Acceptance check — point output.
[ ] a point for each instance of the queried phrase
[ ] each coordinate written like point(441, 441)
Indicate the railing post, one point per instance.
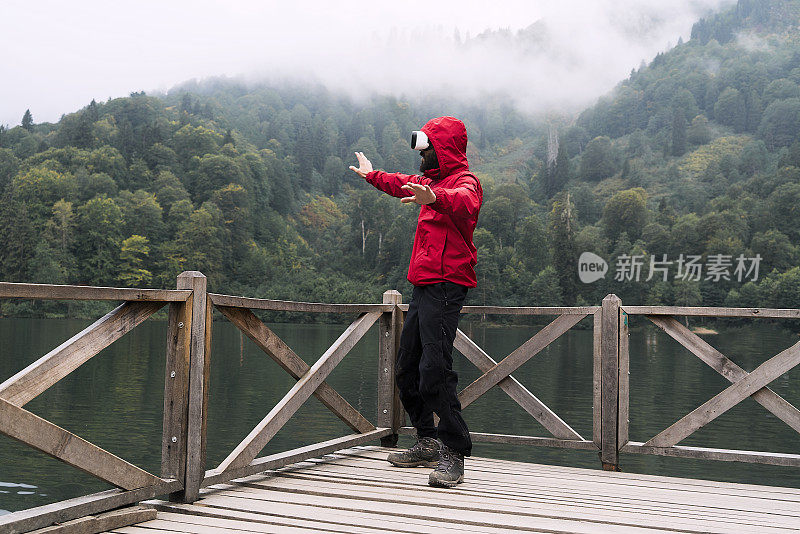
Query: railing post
point(199, 365)
point(176, 393)
point(389, 410)
point(609, 349)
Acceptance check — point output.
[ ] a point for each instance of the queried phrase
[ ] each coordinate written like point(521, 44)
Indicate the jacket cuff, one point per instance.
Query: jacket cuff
point(442, 203)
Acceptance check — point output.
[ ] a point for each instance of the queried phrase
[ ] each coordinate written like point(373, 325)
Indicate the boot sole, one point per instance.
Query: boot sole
point(413, 464)
point(445, 483)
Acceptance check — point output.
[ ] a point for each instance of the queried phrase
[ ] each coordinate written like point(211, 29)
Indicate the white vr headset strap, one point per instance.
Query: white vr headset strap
point(419, 141)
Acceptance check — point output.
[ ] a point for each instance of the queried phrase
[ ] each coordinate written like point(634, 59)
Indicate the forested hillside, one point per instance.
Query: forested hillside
point(694, 154)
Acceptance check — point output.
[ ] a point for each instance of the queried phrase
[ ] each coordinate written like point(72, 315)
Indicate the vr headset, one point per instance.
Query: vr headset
point(419, 141)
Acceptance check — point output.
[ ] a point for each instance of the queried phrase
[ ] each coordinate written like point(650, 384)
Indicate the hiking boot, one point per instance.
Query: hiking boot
point(450, 470)
point(425, 452)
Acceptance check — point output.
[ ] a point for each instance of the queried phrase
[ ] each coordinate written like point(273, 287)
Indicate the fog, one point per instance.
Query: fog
point(57, 56)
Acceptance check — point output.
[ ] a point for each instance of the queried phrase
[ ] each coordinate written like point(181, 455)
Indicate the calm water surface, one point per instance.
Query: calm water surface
point(116, 399)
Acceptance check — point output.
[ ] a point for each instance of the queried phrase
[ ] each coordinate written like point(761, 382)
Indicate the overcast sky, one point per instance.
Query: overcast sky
point(56, 56)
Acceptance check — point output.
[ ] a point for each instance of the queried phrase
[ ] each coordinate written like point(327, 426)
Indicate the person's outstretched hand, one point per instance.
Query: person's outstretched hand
point(421, 194)
point(364, 165)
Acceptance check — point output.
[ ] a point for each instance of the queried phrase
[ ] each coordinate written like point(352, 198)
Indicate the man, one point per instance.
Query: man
point(441, 269)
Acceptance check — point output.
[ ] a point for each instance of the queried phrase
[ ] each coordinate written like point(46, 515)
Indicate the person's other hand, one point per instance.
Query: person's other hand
point(364, 165)
point(421, 194)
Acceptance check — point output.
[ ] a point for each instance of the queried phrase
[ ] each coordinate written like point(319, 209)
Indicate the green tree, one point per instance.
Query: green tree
point(626, 211)
point(678, 133)
point(731, 109)
point(562, 228)
point(133, 255)
point(97, 251)
point(698, 132)
point(27, 120)
point(598, 161)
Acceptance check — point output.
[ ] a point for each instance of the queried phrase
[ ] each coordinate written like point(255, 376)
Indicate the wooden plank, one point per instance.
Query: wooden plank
point(701, 311)
point(198, 380)
point(580, 473)
point(525, 310)
point(287, 305)
point(94, 524)
point(724, 455)
point(176, 391)
point(387, 356)
point(63, 292)
point(222, 520)
point(399, 414)
point(513, 361)
point(60, 512)
point(527, 400)
point(539, 310)
point(275, 461)
point(477, 512)
point(597, 378)
point(22, 425)
point(244, 453)
point(284, 356)
point(767, 398)
point(520, 477)
point(728, 398)
point(294, 481)
point(61, 361)
point(624, 381)
point(482, 437)
point(609, 455)
point(303, 516)
point(498, 479)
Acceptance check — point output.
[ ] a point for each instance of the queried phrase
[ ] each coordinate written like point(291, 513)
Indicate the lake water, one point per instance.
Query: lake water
point(116, 399)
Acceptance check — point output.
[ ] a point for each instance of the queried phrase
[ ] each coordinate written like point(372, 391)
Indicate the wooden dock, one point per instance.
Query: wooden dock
point(341, 485)
point(357, 491)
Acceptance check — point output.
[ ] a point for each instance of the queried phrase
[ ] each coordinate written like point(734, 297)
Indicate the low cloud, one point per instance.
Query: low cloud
point(61, 55)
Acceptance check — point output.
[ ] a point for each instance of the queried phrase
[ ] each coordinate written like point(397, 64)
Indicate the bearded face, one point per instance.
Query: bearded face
point(429, 160)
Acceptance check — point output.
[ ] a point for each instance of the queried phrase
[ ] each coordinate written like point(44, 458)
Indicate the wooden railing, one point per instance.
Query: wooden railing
point(134, 484)
point(754, 384)
point(188, 359)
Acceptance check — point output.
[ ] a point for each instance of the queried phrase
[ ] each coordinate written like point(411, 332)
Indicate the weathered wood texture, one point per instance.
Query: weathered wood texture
point(60, 292)
point(281, 459)
point(597, 378)
point(94, 524)
point(522, 310)
point(63, 511)
point(284, 356)
point(357, 491)
point(624, 381)
point(291, 306)
point(610, 381)
point(248, 449)
point(22, 425)
point(513, 361)
point(700, 311)
point(199, 359)
point(728, 398)
point(61, 361)
point(176, 391)
point(387, 356)
point(723, 455)
point(527, 400)
point(767, 398)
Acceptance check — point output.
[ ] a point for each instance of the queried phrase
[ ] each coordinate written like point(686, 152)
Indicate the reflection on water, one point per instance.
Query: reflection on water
point(116, 399)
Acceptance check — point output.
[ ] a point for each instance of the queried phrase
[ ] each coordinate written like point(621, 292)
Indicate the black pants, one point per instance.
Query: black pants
point(425, 373)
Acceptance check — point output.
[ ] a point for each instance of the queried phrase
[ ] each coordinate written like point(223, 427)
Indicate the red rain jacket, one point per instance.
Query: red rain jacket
point(443, 248)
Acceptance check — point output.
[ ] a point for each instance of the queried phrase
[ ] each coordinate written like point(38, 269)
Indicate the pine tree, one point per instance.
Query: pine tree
point(27, 120)
point(678, 133)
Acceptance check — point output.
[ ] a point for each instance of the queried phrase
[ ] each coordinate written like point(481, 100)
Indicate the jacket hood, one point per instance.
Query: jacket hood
point(448, 136)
